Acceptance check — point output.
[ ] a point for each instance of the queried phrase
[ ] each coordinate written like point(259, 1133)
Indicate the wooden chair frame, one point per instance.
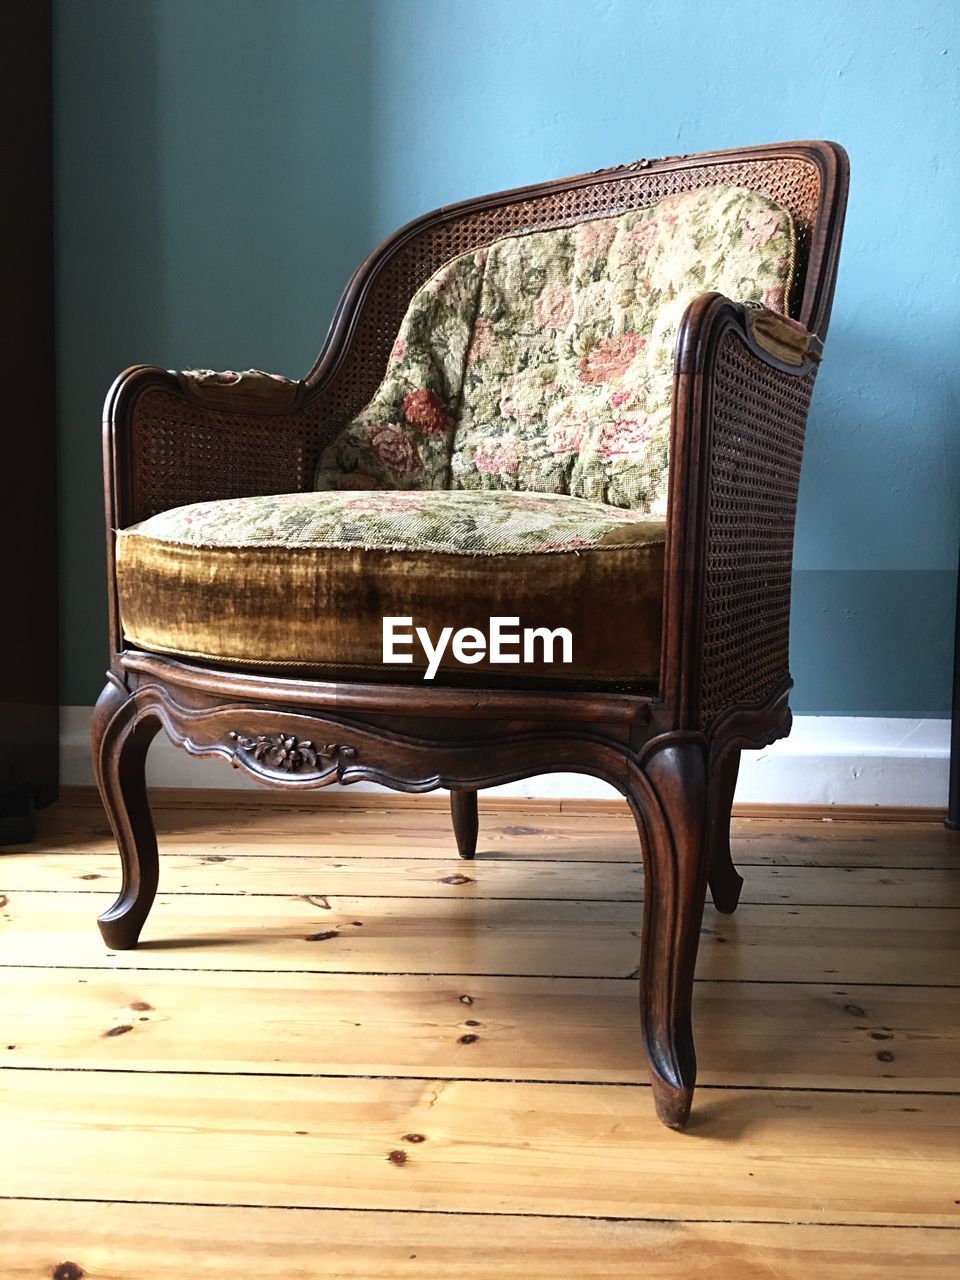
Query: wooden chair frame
point(673, 752)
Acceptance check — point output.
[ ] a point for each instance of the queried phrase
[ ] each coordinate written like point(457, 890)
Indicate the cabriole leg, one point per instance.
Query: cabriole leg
point(669, 800)
point(120, 738)
point(463, 807)
point(725, 881)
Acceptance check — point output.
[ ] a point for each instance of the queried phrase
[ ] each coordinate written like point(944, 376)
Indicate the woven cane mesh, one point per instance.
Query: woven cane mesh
point(184, 452)
point(759, 416)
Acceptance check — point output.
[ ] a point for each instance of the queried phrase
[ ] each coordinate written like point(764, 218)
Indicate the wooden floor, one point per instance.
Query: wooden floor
point(340, 1051)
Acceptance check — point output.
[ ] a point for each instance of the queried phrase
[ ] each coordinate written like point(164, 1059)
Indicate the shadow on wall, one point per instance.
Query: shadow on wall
point(214, 187)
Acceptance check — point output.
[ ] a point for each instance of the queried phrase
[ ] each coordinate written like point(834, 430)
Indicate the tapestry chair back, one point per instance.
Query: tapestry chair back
point(544, 361)
point(283, 453)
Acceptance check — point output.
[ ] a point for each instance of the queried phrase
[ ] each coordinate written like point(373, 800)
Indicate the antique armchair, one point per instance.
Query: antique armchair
point(579, 404)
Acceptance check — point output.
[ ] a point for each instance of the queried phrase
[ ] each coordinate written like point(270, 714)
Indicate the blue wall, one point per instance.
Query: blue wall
point(223, 165)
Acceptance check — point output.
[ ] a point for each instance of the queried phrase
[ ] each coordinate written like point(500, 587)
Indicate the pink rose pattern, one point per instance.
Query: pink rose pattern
point(230, 377)
point(611, 358)
point(393, 449)
point(544, 362)
point(554, 308)
point(624, 437)
point(639, 239)
point(426, 410)
point(566, 438)
point(593, 239)
point(482, 341)
point(760, 226)
point(499, 456)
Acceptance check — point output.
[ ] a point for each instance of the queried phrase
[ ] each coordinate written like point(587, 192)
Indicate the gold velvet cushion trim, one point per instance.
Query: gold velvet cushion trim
point(786, 339)
point(260, 582)
point(544, 362)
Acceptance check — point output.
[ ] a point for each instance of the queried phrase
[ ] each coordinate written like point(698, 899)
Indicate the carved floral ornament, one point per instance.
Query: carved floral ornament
point(285, 752)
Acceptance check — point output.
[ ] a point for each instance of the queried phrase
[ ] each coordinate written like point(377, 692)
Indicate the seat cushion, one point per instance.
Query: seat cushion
point(544, 361)
point(304, 580)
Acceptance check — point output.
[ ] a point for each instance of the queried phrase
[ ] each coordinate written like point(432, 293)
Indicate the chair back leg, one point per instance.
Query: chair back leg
point(725, 881)
point(463, 807)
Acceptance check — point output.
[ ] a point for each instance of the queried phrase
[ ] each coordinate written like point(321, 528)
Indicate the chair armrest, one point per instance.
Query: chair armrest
point(741, 394)
point(780, 336)
point(172, 438)
point(251, 391)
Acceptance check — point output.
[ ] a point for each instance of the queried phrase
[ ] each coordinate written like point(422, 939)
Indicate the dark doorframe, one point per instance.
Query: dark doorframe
point(29, 696)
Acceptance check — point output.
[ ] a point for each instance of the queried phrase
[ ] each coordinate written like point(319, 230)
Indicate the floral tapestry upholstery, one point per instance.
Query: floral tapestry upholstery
point(304, 580)
point(544, 362)
point(460, 523)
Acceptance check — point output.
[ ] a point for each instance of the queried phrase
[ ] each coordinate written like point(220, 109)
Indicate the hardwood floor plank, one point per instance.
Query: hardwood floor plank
point(288, 1027)
point(555, 1149)
point(565, 939)
point(346, 874)
point(382, 833)
point(844, 844)
point(127, 1242)
point(780, 1036)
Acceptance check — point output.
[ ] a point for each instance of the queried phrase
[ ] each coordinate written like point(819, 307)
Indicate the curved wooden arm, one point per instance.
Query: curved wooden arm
point(739, 417)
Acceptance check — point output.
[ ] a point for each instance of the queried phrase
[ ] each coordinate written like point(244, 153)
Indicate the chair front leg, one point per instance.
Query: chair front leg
point(725, 881)
point(668, 796)
point(120, 739)
point(463, 807)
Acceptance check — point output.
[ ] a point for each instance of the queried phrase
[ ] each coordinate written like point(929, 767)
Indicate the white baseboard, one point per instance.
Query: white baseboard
point(842, 760)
